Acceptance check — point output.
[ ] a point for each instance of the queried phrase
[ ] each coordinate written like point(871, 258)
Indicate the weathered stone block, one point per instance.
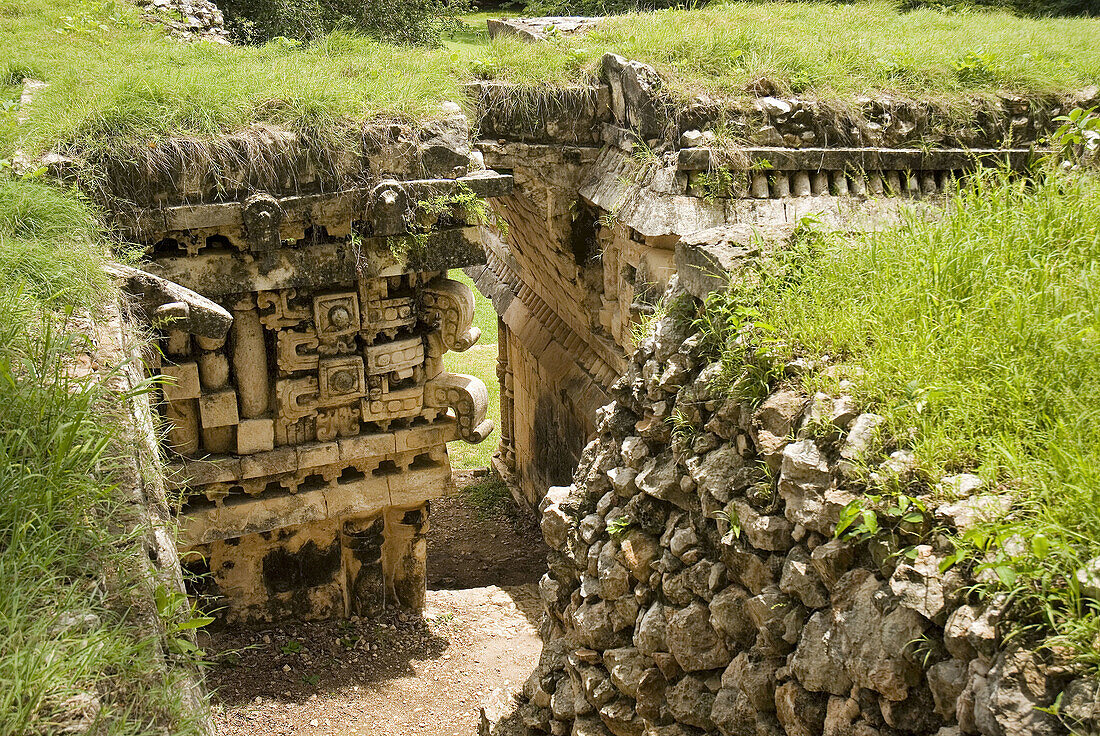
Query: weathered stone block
point(255, 435)
point(181, 381)
point(282, 460)
point(317, 454)
point(219, 409)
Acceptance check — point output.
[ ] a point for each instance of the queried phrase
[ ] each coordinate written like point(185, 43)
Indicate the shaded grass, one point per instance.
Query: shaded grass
point(977, 336)
point(70, 654)
point(479, 361)
point(111, 75)
point(489, 495)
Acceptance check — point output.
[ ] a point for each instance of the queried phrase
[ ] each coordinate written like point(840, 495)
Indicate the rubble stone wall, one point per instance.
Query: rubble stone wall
point(696, 586)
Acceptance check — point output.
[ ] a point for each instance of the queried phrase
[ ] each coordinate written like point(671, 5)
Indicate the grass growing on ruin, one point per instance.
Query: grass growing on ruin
point(113, 76)
point(978, 337)
point(479, 361)
point(69, 654)
point(846, 49)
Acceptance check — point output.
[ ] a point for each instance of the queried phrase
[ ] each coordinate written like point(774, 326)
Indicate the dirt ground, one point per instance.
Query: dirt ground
point(402, 673)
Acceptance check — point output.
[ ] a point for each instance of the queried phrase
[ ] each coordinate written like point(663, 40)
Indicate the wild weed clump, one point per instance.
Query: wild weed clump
point(71, 654)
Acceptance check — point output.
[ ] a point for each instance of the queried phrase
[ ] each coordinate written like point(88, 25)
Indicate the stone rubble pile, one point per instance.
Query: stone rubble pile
point(666, 619)
point(187, 20)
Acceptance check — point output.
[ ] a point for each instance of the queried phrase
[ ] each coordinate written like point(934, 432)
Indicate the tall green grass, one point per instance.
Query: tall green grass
point(69, 650)
point(112, 75)
point(977, 335)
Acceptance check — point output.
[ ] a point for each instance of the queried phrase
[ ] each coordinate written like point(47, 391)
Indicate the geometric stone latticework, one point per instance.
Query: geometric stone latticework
point(310, 440)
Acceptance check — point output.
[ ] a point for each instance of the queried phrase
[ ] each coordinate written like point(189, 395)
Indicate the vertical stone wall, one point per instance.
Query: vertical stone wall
point(555, 363)
point(309, 438)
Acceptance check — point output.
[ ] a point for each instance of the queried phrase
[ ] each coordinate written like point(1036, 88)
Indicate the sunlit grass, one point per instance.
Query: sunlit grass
point(479, 361)
point(977, 336)
point(111, 75)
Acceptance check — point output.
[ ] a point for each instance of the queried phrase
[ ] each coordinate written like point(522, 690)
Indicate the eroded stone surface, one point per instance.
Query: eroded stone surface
point(310, 438)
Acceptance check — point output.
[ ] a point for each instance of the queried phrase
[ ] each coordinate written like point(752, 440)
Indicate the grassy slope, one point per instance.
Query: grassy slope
point(479, 361)
point(978, 337)
point(850, 48)
point(55, 547)
point(111, 75)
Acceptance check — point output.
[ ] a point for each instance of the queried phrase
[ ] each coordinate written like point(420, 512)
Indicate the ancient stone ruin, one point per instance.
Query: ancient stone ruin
point(607, 183)
point(695, 584)
point(311, 437)
point(308, 409)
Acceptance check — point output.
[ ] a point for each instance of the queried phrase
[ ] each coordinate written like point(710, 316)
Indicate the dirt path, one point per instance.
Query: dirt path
point(400, 674)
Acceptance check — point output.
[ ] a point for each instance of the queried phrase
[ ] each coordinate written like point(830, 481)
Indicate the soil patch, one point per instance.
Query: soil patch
point(474, 541)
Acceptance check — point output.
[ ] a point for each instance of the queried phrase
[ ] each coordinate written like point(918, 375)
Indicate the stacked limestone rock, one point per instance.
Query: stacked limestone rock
point(663, 620)
point(188, 20)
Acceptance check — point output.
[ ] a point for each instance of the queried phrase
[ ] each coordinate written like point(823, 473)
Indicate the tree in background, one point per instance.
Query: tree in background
point(406, 22)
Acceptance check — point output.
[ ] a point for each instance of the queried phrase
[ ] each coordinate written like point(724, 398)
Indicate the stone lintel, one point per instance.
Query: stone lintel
point(228, 468)
point(706, 260)
point(318, 266)
point(242, 515)
point(332, 209)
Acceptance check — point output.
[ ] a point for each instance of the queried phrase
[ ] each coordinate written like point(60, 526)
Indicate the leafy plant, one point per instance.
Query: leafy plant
point(715, 183)
point(462, 203)
point(889, 519)
point(619, 526)
point(180, 617)
point(291, 647)
point(1078, 136)
point(975, 67)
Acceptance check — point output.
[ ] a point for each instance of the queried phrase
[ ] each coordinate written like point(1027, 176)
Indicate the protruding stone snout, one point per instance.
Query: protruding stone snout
point(389, 208)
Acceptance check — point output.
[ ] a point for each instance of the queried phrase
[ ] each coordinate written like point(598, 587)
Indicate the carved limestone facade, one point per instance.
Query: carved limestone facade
point(310, 438)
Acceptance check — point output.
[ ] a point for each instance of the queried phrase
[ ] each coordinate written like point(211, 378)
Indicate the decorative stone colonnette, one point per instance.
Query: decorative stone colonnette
point(310, 439)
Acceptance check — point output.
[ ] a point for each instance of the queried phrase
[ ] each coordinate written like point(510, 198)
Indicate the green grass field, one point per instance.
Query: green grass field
point(114, 77)
point(65, 536)
point(479, 361)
